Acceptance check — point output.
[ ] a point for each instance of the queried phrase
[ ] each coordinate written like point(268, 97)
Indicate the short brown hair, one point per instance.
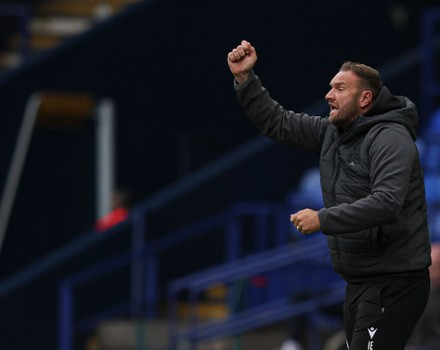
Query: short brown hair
point(370, 77)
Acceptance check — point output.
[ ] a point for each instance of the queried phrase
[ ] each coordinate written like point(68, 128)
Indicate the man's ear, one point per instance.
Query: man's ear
point(366, 98)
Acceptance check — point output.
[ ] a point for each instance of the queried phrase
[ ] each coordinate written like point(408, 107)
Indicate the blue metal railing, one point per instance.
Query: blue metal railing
point(67, 301)
point(144, 261)
point(301, 259)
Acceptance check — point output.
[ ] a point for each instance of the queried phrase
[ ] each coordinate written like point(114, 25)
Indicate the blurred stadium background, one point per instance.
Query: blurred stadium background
point(191, 160)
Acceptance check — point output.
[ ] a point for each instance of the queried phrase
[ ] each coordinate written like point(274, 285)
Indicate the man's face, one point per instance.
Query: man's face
point(344, 98)
point(434, 269)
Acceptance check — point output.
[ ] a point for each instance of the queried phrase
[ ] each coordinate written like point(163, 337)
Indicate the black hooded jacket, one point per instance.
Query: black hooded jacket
point(375, 215)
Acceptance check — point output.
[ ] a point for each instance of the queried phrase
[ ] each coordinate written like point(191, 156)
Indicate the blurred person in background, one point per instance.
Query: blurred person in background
point(121, 204)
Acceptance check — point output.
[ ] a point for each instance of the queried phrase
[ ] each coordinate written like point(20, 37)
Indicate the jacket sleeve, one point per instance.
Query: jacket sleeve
point(393, 165)
point(286, 127)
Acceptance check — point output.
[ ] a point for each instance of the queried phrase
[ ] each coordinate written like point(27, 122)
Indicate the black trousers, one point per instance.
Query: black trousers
point(382, 314)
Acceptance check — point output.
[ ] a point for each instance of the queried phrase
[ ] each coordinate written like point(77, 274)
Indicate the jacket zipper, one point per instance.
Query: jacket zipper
point(344, 135)
point(338, 169)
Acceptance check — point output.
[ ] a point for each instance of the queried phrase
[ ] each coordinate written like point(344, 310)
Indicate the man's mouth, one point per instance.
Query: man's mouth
point(333, 108)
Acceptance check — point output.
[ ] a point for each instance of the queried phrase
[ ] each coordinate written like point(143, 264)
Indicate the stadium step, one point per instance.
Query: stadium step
point(153, 335)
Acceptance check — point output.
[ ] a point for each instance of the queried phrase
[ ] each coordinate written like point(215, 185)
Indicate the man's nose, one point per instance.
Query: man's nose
point(329, 96)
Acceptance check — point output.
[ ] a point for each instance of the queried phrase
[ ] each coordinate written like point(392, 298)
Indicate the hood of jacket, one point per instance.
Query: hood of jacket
point(387, 108)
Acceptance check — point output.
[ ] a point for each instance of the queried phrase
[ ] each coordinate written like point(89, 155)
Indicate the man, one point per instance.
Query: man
point(374, 214)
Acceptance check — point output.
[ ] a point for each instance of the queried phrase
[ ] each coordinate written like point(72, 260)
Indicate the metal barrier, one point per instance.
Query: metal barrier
point(145, 267)
point(308, 266)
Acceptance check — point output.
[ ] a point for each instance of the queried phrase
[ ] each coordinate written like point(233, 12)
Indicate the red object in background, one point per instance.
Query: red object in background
point(111, 219)
point(259, 281)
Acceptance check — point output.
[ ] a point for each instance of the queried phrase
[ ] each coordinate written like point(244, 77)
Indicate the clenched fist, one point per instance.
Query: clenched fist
point(241, 60)
point(306, 221)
